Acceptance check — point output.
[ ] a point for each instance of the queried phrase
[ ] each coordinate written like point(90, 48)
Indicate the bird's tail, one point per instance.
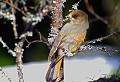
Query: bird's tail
point(54, 69)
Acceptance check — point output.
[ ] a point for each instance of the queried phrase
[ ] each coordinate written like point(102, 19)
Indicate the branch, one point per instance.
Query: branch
point(91, 10)
point(19, 51)
point(41, 39)
point(5, 46)
point(14, 21)
point(102, 38)
point(57, 19)
point(88, 44)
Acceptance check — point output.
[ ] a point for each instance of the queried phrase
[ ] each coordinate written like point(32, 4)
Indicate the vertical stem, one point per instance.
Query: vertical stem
point(57, 19)
point(18, 47)
point(14, 22)
point(19, 67)
point(19, 53)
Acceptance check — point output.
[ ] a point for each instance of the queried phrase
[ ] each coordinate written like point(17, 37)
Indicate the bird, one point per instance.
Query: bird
point(68, 39)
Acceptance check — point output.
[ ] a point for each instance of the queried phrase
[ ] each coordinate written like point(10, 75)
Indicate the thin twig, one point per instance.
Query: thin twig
point(35, 41)
point(88, 44)
point(101, 38)
point(14, 21)
point(41, 39)
point(6, 46)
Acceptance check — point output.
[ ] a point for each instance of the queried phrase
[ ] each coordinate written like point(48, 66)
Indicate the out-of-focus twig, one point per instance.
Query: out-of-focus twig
point(95, 19)
point(115, 20)
point(91, 10)
point(15, 7)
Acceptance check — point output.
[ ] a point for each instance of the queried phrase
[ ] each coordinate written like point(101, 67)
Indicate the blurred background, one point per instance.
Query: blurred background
point(108, 9)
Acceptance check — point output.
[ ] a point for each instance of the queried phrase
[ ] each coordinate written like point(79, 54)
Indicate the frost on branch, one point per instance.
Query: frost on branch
point(28, 33)
point(7, 15)
point(96, 48)
point(35, 18)
point(75, 6)
point(57, 19)
point(5, 75)
point(52, 35)
point(5, 46)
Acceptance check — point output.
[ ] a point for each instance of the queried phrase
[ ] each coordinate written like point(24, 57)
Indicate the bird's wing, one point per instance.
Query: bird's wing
point(54, 47)
point(58, 39)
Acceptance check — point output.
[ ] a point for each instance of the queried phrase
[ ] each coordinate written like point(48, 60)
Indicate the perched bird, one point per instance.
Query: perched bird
point(69, 38)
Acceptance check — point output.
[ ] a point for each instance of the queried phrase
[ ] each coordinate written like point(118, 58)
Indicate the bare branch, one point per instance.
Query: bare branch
point(41, 39)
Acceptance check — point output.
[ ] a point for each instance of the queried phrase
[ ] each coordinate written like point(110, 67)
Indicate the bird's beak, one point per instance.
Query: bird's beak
point(67, 17)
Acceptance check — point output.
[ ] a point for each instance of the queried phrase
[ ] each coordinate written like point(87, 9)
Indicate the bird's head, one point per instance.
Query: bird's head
point(78, 16)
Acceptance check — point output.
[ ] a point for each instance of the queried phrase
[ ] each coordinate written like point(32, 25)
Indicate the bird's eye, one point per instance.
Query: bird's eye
point(74, 16)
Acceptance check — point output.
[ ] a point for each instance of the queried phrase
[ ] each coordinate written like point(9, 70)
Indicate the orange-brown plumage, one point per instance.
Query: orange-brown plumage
point(69, 38)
